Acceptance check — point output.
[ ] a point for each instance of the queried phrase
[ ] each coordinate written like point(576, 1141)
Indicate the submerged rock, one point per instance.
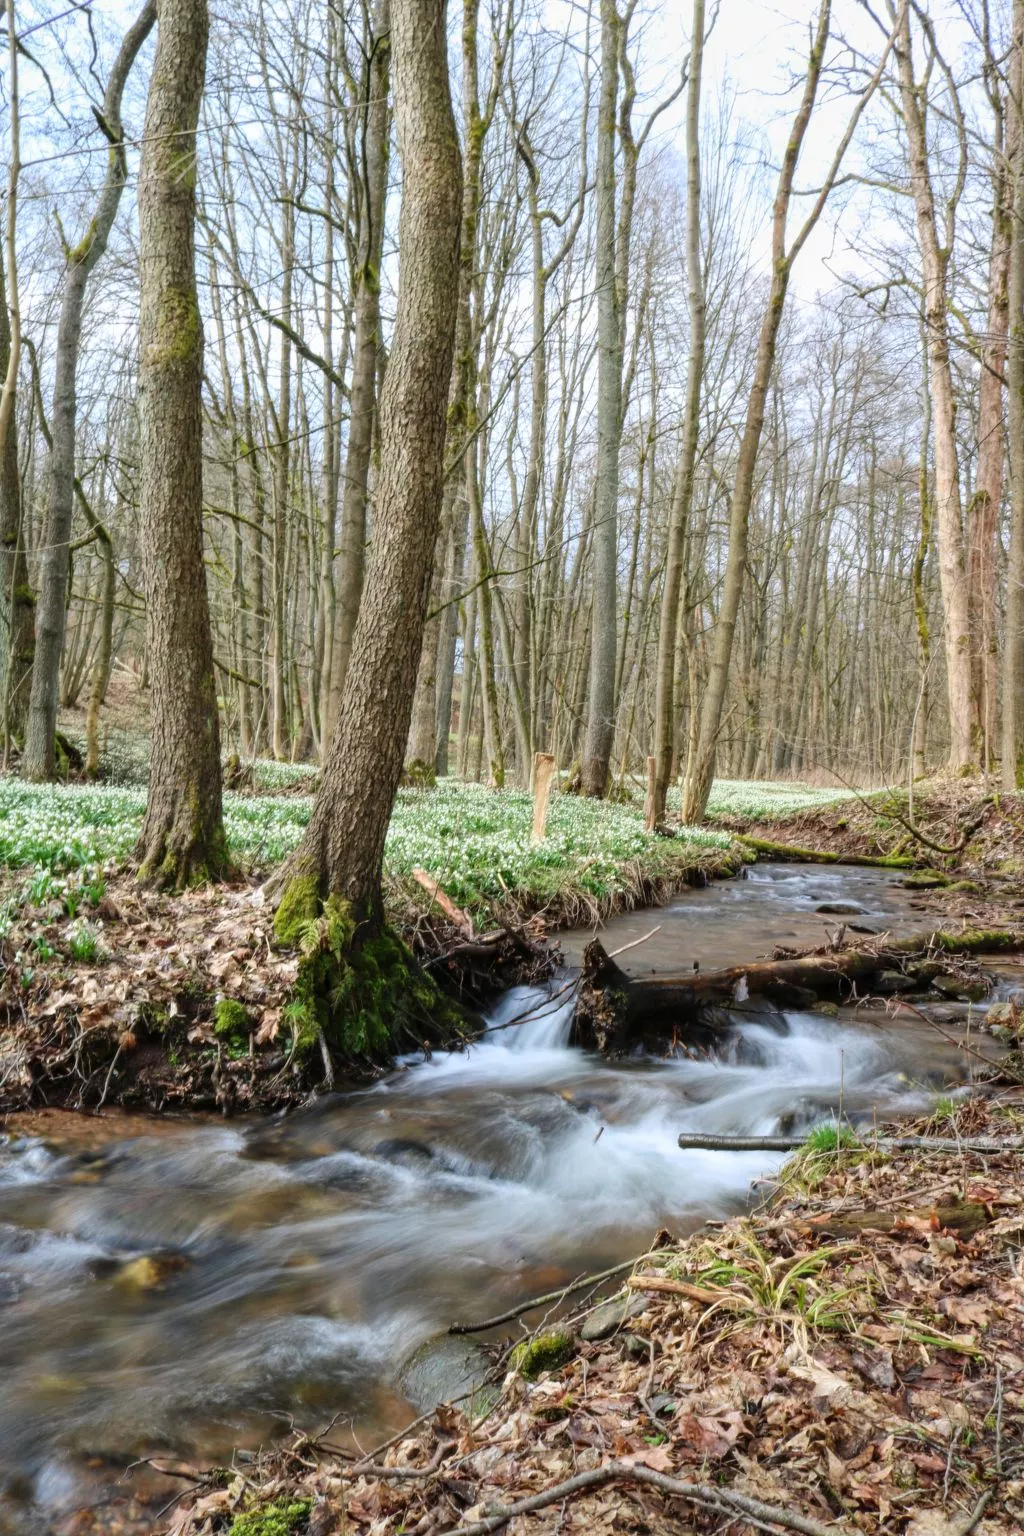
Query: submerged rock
point(840, 909)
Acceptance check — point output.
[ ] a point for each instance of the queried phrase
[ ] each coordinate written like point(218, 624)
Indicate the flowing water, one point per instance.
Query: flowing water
point(189, 1287)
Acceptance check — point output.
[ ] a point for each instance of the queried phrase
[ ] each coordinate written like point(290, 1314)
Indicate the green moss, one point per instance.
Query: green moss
point(231, 1021)
point(178, 328)
point(545, 1353)
point(298, 907)
point(362, 995)
point(419, 775)
point(282, 1517)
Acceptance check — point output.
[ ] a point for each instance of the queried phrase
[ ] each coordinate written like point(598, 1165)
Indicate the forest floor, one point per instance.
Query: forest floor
point(763, 1374)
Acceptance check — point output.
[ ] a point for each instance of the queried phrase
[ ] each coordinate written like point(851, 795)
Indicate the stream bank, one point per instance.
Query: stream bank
point(762, 1375)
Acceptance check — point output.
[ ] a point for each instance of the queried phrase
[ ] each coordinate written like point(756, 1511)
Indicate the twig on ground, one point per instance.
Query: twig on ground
point(540, 1301)
point(719, 1499)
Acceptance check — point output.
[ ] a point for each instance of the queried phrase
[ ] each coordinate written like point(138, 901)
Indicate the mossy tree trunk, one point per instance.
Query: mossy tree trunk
point(39, 761)
point(341, 855)
point(182, 838)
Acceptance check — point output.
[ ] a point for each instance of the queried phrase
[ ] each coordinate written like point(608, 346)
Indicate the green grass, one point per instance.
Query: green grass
point(829, 1138)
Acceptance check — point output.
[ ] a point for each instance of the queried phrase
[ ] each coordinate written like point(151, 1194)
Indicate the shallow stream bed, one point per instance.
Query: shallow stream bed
point(188, 1287)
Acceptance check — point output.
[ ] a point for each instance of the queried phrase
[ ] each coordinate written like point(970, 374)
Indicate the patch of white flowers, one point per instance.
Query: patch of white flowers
point(475, 841)
point(764, 801)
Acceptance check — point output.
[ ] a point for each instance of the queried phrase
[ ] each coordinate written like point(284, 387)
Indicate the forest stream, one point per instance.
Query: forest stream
point(191, 1286)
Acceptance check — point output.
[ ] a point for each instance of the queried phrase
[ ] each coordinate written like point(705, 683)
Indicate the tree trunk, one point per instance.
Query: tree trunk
point(601, 718)
point(1013, 662)
point(948, 511)
point(341, 854)
point(682, 497)
point(700, 768)
point(182, 838)
point(17, 602)
point(38, 762)
point(365, 357)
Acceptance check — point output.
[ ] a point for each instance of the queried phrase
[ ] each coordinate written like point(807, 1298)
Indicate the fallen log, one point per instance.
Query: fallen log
point(882, 1143)
point(965, 1219)
point(769, 850)
point(616, 1012)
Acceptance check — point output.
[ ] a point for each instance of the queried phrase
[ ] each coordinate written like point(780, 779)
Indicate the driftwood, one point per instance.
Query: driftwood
point(616, 1012)
point(987, 1144)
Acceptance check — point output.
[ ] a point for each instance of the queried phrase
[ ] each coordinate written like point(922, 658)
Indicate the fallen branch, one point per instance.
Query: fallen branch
point(720, 1500)
point(541, 1301)
point(616, 1012)
point(444, 901)
point(882, 1143)
point(770, 850)
point(662, 1285)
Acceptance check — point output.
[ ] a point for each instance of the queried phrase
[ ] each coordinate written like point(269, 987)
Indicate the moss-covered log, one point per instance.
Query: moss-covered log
point(616, 1012)
point(769, 850)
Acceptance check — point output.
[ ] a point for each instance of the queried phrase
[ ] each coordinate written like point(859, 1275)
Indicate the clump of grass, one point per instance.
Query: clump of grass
point(793, 1297)
point(816, 1159)
point(83, 944)
point(830, 1138)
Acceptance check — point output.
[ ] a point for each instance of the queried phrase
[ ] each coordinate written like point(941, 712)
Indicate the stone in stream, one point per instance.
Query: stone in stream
point(952, 986)
point(840, 909)
point(610, 1316)
point(890, 982)
point(924, 880)
point(445, 1368)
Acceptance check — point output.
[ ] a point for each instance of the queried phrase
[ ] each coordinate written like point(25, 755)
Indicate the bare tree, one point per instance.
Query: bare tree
point(182, 839)
point(342, 851)
point(80, 261)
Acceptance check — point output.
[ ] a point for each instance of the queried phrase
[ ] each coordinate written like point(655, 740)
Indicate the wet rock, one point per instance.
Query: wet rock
point(828, 1010)
point(150, 1272)
point(948, 985)
point(403, 1149)
point(924, 880)
point(840, 909)
point(611, 1315)
point(444, 1369)
point(891, 982)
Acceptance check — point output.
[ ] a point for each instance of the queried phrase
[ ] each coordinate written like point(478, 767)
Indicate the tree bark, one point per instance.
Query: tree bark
point(342, 852)
point(682, 497)
point(182, 839)
point(38, 762)
point(365, 357)
point(17, 601)
point(601, 717)
point(935, 258)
